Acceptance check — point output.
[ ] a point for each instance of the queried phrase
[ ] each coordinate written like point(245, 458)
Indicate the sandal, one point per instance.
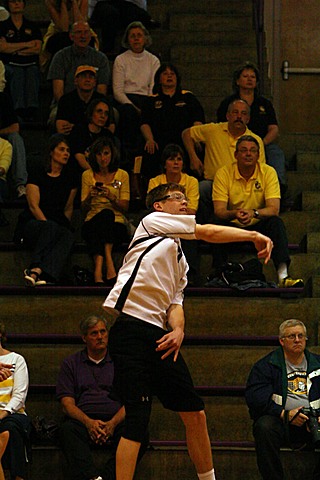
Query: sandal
point(30, 281)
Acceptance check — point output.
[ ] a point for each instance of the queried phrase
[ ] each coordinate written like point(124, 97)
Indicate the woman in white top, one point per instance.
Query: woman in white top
point(15, 425)
point(133, 74)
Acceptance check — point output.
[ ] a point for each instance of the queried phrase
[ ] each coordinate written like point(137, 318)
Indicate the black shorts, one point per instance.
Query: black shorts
point(140, 373)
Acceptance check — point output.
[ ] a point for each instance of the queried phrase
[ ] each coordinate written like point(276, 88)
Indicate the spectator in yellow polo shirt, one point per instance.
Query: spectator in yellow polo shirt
point(220, 141)
point(246, 194)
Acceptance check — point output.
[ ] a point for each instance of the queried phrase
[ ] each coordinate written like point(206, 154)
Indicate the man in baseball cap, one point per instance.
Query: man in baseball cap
point(72, 105)
point(85, 68)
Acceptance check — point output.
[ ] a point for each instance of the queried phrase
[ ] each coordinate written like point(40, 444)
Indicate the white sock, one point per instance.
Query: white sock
point(207, 476)
point(282, 270)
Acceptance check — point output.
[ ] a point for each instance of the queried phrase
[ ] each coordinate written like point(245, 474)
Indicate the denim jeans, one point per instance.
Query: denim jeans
point(19, 163)
point(24, 85)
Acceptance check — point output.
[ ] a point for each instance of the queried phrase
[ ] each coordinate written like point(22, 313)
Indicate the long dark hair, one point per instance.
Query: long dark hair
point(93, 104)
point(97, 147)
point(54, 141)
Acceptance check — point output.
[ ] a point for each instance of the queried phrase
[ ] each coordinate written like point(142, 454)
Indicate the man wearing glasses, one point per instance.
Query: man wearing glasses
point(246, 194)
point(146, 337)
point(220, 141)
point(279, 386)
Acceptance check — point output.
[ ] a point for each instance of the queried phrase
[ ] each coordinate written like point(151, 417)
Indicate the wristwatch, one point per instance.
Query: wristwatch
point(255, 213)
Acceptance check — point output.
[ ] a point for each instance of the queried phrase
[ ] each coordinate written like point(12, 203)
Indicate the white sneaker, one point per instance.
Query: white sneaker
point(21, 190)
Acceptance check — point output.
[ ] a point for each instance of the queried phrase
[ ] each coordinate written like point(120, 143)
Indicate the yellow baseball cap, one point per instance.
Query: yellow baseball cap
point(85, 68)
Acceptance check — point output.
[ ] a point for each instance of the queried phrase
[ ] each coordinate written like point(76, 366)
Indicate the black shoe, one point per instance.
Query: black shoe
point(110, 282)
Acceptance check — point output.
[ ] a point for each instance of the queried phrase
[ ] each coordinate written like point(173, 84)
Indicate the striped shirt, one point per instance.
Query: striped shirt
point(13, 390)
point(153, 274)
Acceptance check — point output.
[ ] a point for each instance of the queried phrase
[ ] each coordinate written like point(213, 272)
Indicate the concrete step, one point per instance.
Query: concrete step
point(228, 7)
point(206, 69)
point(44, 313)
point(224, 365)
point(165, 425)
point(164, 40)
point(300, 223)
point(159, 463)
point(15, 260)
point(311, 201)
point(232, 462)
point(313, 242)
point(206, 22)
point(201, 53)
point(299, 182)
point(308, 162)
point(315, 286)
point(294, 142)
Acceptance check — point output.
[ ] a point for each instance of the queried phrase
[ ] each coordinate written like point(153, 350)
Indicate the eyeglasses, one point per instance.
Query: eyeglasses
point(293, 336)
point(246, 150)
point(180, 197)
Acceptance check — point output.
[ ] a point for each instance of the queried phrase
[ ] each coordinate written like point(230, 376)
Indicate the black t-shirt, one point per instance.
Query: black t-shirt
point(169, 116)
point(262, 114)
point(73, 109)
point(80, 140)
point(54, 193)
point(28, 31)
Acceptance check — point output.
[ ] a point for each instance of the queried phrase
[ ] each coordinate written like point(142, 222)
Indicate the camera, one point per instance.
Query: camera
point(314, 426)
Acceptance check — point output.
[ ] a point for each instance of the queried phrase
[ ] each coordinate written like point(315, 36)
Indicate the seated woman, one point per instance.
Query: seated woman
point(50, 195)
point(105, 196)
point(165, 115)
point(15, 425)
point(172, 161)
point(133, 74)
point(100, 124)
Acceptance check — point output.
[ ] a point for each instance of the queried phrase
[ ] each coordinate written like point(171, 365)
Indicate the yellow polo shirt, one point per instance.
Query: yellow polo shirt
point(220, 146)
point(229, 186)
point(100, 203)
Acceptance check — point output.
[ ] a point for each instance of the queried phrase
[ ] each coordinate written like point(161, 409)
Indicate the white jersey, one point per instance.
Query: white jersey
point(153, 274)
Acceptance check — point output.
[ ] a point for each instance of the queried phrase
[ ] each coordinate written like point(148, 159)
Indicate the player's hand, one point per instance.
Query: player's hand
point(264, 246)
point(171, 342)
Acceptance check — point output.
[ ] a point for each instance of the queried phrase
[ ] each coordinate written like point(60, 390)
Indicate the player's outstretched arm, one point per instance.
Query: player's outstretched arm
point(221, 234)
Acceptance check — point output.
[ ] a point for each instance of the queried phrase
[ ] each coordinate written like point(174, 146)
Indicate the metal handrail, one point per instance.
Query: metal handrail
point(286, 70)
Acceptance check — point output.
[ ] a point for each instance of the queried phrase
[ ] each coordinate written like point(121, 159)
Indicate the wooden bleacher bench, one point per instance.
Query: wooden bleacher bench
point(189, 291)
point(70, 339)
